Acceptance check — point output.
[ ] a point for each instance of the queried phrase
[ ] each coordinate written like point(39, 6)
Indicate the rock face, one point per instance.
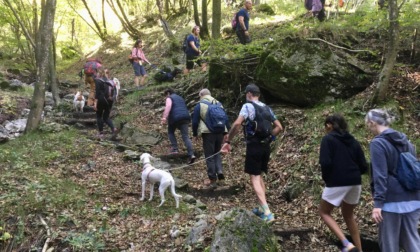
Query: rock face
point(241, 230)
point(296, 71)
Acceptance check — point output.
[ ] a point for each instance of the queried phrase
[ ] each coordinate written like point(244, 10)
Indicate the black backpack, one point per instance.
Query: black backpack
point(110, 90)
point(185, 44)
point(262, 124)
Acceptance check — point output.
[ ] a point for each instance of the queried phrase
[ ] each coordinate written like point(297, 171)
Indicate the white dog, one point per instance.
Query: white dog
point(154, 175)
point(118, 87)
point(79, 102)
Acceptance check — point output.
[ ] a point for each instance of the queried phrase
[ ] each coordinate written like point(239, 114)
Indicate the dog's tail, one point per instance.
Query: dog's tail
point(173, 190)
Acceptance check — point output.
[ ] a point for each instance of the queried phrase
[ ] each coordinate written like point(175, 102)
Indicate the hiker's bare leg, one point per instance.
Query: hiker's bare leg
point(259, 188)
point(325, 210)
point(204, 67)
point(136, 81)
point(143, 80)
point(91, 82)
point(347, 210)
point(186, 71)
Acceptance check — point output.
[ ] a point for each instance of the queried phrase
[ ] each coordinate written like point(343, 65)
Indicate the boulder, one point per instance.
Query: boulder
point(295, 71)
point(305, 73)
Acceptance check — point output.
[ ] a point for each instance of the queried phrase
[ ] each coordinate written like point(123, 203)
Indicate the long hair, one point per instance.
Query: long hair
point(338, 123)
point(195, 28)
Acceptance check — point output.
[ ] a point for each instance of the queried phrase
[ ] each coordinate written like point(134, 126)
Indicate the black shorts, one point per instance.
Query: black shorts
point(257, 157)
point(191, 59)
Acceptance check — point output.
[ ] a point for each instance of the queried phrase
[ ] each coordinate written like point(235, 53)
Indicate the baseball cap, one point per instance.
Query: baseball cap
point(252, 88)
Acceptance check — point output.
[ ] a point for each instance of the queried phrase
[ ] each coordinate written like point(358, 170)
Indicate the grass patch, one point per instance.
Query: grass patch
point(32, 178)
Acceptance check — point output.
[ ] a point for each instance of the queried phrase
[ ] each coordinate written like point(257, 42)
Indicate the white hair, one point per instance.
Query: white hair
point(379, 116)
point(204, 92)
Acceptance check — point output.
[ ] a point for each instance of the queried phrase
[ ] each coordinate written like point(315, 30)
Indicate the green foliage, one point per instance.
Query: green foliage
point(89, 241)
point(69, 52)
point(265, 8)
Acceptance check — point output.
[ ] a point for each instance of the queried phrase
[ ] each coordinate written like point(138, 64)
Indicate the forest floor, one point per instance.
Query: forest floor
point(297, 222)
point(127, 224)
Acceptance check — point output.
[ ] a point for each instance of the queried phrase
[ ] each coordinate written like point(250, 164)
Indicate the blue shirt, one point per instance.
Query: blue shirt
point(242, 13)
point(190, 50)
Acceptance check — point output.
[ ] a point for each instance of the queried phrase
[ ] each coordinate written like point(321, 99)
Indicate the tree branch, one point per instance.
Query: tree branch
point(27, 35)
point(44, 249)
point(340, 47)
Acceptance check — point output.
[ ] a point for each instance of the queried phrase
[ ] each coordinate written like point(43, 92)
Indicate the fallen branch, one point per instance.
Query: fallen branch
point(44, 249)
point(340, 47)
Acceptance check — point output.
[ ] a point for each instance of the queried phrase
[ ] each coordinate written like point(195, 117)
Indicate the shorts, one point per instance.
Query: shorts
point(336, 195)
point(243, 39)
point(139, 69)
point(257, 157)
point(190, 61)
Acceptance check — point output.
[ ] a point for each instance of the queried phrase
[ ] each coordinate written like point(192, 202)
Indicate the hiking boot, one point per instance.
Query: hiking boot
point(211, 184)
point(221, 179)
point(267, 218)
point(257, 212)
point(191, 159)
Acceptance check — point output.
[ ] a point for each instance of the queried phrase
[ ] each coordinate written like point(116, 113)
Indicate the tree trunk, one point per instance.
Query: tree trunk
point(133, 32)
point(102, 34)
point(167, 7)
point(204, 33)
point(165, 24)
point(217, 19)
point(53, 74)
point(381, 91)
point(196, 14)
point(43, 43)
point(103, 17)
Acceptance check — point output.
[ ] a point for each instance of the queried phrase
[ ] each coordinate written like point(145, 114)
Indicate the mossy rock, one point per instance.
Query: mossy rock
point(241, 230)
point(305, 74)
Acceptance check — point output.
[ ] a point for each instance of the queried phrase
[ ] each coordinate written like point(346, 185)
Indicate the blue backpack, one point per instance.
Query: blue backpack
point(215, 117)
point(408, 170)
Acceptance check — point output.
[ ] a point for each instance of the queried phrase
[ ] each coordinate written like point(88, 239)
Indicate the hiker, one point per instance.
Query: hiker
point(90, 70)
point(342, 163)
point(315, 8)
point(177, 116)
point(395, 209)
point(212, 140)
point(259, 133)
point(103, 104)
point(139, 59)
point(242, 26)
point(193, 51)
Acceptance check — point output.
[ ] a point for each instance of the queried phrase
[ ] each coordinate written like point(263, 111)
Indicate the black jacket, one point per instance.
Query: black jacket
point(342, 160)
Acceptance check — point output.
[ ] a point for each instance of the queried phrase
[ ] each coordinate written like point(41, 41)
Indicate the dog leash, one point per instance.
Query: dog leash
point(198, 161)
